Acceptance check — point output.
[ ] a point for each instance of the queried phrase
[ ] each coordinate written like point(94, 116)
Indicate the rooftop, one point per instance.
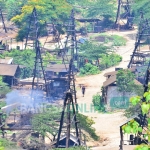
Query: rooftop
point(8, 70)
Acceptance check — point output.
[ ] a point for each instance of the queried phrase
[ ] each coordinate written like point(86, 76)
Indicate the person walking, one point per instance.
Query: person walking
point(83, 90)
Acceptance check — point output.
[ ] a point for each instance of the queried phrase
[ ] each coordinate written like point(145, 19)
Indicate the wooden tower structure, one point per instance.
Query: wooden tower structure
point(125, 16)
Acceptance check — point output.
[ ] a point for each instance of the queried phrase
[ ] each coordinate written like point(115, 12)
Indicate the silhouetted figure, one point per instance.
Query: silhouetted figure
point(83, 90)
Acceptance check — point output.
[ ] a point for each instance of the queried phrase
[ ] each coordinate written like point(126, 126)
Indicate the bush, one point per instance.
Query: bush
point(97, 102)
point(118, 40)
point(89, 69)
point(109, 60)
point(5, 143)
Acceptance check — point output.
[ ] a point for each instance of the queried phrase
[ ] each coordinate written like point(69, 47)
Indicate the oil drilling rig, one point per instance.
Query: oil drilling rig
point(68, 132)
point(141, 50)
point(125, 16)
point(68, 123)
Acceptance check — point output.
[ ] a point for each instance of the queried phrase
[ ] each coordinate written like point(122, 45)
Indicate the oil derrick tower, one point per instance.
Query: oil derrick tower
point(124, 15)
point(38, 72)
point(68, 119)
point(142, 44)
point(2, 20)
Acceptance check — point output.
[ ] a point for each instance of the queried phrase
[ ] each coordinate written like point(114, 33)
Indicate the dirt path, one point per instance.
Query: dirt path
point(106, 125)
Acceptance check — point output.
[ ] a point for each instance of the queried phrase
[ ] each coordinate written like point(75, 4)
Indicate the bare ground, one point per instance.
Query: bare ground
point(106, 125)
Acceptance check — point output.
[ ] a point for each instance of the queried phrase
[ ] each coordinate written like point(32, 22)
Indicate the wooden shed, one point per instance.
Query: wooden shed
point(10, 73)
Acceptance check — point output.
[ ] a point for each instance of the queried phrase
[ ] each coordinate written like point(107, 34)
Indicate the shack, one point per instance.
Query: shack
point(56, 75)
point(112, 98)
point(10, 73)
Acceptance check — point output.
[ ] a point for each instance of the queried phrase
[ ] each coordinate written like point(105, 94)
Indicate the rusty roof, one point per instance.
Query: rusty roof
point(115, 72)
point(8, 70)
point(57, 67)
point(113, 79)
point(109, 81)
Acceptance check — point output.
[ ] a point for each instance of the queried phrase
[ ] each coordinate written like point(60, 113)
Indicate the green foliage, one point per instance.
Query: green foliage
point(46, 122)
point(125, 81)
point(93, 51)
point(102, 9)
point(134, 108)
point(118, 40)
point(142, 147)
point(27, 58)
point(5, 143)
point(4, 88)
point(13, 7)
point(141, 5)
point(47, 58)
point(48, 11)
point(133, 126)
point(89, 69)
point(97, 102)
point(109, 60)
point(2, 104)
point(86, 125)
point(114, 40)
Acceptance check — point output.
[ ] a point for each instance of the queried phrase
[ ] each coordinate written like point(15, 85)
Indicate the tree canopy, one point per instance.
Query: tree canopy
point(93, 51)
point(47, 10)
point(102, 9)
point(47, 122)
point(141, 6)
point(125, 81)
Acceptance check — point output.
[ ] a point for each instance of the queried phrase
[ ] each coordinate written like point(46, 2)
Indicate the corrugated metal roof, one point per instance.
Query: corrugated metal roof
point(115, 72)
point(113, 79)
point(8, 70)
point(109, 81)
point(57, 67)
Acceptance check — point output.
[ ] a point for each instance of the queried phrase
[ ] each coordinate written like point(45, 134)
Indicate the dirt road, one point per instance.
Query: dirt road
point(106, 125)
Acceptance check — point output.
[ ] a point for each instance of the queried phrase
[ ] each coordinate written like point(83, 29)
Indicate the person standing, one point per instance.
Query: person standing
point(83, 90)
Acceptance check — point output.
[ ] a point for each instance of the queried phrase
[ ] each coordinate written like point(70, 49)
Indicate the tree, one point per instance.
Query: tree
point(48, 11)
point(125, 81)
point(46, 122)
point(89, 69)
point(93, 51)
point(4, 88)
point(141, 5)
point(97, 102)
point(103, 9)
point(134, 127)
point(13, 7)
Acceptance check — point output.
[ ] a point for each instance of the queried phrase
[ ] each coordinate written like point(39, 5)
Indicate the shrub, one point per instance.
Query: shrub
point(118, 40)
point(89, 69)
point(97, 102)
point(109, 60)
